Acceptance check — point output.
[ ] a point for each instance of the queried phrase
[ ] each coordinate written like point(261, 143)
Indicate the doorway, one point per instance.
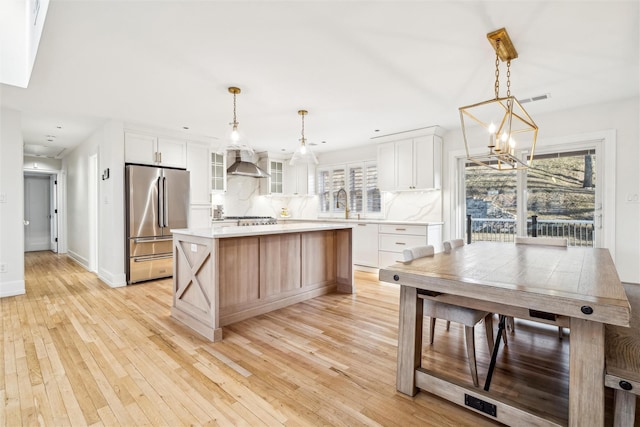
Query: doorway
point(40, 216)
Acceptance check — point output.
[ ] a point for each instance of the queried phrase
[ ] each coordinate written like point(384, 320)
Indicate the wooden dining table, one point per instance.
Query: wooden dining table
point(574, 287)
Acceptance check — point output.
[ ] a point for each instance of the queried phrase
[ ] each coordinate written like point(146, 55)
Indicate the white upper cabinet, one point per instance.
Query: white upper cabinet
point(274, 166)
point(410, 161)
point(198, 166)
point(172, 152)
point(153, 150)
point(386, 166)
point(285, 179)
point(299, 180)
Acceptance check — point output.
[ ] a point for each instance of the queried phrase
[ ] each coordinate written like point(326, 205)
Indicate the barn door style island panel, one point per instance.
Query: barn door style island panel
point(222, 275)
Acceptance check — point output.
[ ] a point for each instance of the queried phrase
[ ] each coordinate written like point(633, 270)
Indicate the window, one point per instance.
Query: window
point(360, 184)
point(557, 199)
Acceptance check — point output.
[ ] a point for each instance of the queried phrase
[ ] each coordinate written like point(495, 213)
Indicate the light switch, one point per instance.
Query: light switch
point(3, 197)
point(194, 247)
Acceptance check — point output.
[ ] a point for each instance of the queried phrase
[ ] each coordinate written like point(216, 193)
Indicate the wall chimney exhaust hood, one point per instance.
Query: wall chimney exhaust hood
point(243, 168)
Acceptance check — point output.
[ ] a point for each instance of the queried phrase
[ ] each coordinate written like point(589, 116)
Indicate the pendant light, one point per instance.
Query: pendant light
point(303, 154)
point(235, 139)
point(508, 126)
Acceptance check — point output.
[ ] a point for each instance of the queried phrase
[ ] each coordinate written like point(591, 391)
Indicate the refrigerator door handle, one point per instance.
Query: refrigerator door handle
point(160, 203)
point(165, 213)
point(151, 239)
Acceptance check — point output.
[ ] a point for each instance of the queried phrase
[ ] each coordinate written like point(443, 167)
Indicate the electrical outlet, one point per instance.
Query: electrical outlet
point(3, 267)
point(633, 198)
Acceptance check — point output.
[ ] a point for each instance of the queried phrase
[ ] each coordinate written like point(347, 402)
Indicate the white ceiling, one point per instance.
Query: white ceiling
point(356, 66)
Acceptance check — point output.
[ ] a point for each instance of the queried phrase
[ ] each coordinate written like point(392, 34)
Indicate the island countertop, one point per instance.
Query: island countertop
point(256, 230)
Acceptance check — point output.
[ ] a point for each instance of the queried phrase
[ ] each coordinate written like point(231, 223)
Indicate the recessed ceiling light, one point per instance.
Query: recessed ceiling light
point(376, 130)
point(59, 126)
point(324, 142)
point(185, 127)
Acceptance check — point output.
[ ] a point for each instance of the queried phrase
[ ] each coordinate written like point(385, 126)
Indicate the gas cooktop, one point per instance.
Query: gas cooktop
point(248, 217)
point(253, 220)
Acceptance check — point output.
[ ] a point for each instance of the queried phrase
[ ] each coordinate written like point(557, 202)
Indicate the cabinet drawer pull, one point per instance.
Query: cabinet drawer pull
point(362, 225)
point(401, 229)
point(400, 243)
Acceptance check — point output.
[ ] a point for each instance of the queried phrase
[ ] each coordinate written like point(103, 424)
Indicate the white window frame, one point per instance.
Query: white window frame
point(603, 142)
point(347, 166)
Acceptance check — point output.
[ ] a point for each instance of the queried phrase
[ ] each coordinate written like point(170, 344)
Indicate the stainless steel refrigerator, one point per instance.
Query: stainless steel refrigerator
point(157, 200)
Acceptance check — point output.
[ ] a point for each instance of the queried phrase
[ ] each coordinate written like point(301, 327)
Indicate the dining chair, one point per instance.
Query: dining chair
point(448, 246)
point(452, 244)
point(466, 316)
point(540, 241)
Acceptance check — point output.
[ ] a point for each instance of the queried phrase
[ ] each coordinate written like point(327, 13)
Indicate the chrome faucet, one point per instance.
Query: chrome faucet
point(345, 204)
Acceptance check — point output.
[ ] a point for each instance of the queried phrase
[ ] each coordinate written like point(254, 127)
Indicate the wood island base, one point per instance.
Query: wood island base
point(234, 273)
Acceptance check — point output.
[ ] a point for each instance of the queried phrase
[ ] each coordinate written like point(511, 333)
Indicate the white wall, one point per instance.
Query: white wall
point(11, 204)
point(623, 117)
point(108, 143)
point(42, 164)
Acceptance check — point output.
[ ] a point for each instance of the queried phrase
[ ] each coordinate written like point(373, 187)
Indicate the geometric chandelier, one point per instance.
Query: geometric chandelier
point(507, 124)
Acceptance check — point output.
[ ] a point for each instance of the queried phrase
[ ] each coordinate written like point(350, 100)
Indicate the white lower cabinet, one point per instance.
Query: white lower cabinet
point(394, 238)
point(365, 244)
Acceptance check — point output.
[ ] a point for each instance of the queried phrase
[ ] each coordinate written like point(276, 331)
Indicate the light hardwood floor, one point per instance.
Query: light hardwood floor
point(75, 352)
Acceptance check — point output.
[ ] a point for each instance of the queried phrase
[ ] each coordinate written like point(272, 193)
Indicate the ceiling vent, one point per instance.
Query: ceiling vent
point(535, 98)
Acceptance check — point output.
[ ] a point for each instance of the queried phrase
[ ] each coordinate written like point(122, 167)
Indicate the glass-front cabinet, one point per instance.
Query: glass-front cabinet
point(274, 165)
point(276, 172)
point(218, 172)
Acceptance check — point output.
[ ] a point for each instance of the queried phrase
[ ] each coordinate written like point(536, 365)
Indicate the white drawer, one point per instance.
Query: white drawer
point(385, 259)
point(417, 230)
point(398, 242)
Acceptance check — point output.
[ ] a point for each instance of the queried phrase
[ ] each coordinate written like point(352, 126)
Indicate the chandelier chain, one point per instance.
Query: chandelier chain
point(508, 78)
point(303, 141)
point(497, 83)
point(235, 122)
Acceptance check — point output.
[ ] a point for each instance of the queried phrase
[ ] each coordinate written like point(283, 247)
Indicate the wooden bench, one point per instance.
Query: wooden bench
point(622, 359)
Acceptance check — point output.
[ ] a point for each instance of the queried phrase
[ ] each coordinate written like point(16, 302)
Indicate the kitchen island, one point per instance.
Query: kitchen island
point(222, 275)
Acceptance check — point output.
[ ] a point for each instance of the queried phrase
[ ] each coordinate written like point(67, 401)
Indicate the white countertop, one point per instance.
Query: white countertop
point(221, 232)
point(362, 221)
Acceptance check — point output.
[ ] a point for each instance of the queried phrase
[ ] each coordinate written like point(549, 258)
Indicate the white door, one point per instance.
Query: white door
point(37, 229)
point(53, 213)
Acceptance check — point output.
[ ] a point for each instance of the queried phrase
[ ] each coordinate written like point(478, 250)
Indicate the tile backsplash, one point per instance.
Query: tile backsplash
point(243, 199)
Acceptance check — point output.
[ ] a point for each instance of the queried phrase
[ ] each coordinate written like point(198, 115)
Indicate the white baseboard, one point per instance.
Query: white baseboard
point(365, 268)
point(78, 259)
point(11, 289)
point(112, 280)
